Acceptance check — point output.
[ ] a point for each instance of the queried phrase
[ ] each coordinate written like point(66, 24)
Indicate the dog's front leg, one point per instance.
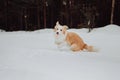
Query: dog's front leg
point(63, 46)
point(60, 46)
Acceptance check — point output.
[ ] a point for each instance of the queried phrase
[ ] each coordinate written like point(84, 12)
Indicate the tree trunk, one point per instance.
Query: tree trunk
point(38, 14)
point(44, 1)
point(112, 11)
point(6, 14)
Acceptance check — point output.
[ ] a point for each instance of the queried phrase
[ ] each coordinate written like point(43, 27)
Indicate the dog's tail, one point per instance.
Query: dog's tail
point(90, 48)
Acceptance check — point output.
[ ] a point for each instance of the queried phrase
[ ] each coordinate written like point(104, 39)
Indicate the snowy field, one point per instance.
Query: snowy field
point(34, 56)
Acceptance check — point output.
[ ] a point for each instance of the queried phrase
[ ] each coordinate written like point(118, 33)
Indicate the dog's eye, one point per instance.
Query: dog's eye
point(60, 29)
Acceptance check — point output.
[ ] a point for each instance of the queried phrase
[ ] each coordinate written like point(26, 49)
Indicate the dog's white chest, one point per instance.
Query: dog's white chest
point(61, 43)
point(59, 39)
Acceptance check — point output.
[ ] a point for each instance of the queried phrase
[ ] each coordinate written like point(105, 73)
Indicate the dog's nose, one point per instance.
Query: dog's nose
point(57, 33)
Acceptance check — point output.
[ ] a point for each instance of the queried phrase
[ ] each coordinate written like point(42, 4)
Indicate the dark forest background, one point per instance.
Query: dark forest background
point(39, 14)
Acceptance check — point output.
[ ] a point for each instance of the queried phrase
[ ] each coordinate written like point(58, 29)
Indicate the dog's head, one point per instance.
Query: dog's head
point(59, 29)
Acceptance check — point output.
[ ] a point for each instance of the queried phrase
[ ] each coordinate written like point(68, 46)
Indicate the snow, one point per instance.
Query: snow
point(34, 56)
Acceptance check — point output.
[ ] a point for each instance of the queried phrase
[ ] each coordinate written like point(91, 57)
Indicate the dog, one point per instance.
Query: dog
point(71, 39)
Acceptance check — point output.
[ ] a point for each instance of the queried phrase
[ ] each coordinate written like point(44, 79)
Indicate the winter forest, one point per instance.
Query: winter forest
point(39, 14)
point(28, 49)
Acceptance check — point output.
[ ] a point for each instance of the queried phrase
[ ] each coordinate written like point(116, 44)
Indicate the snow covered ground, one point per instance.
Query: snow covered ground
point(34, 56)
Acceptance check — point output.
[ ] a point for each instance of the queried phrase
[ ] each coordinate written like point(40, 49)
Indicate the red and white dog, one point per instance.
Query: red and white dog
point(71, 39)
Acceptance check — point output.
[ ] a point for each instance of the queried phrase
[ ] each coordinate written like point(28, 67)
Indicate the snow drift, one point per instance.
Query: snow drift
point(34, 56)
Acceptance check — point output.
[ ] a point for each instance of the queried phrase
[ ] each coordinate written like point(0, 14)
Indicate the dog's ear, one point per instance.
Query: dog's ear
point(65, 27)
point(57, 23)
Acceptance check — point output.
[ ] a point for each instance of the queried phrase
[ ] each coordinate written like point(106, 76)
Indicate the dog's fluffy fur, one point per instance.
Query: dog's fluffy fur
point(73, 40)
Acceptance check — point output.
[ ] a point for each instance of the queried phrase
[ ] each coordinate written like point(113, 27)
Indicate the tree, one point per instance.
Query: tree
point(38, 13)
point(112, 11)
